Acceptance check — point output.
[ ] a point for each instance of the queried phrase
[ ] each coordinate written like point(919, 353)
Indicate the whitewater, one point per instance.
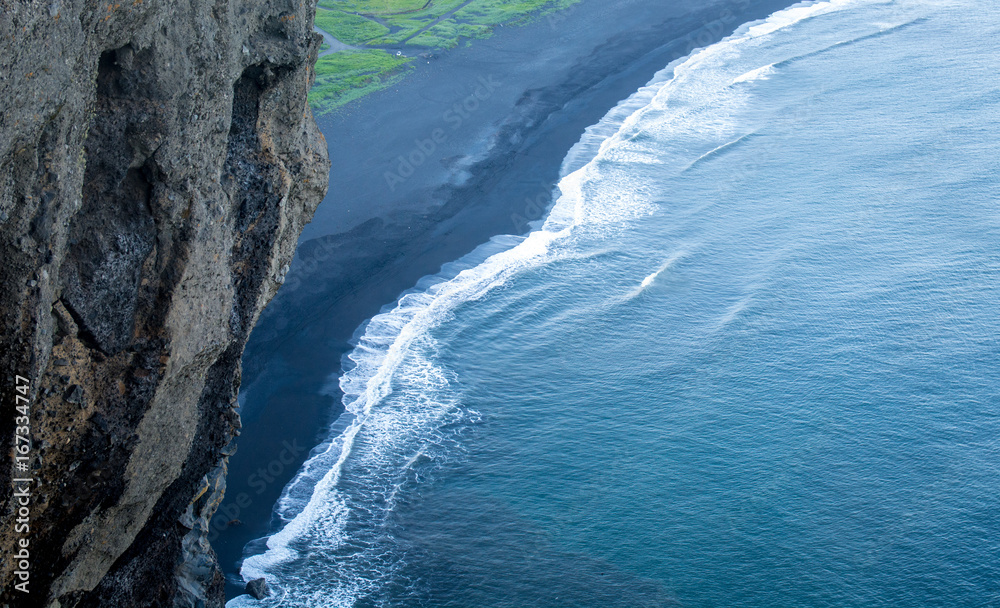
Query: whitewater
point(748, 359)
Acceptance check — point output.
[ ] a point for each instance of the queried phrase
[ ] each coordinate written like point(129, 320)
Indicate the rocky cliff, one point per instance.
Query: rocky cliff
point(157, 162)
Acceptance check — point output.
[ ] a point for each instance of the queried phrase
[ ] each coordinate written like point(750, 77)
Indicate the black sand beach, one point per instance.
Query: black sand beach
point(467, 147)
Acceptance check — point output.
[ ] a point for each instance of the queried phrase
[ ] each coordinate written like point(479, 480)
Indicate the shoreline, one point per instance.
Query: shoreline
point(502, 114)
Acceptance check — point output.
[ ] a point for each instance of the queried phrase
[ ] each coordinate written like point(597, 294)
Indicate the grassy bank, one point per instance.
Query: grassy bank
point(345, 76)
point(388, 34)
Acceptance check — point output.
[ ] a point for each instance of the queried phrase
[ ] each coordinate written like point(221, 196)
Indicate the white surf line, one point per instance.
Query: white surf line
point(716, 151)
point(649, 280)
point(760, 73)
point(368, 384)
point(733, 312)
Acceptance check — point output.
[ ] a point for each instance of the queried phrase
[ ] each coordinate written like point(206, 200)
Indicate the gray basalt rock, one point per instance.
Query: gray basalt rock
point(158, 160)
point(257, 588)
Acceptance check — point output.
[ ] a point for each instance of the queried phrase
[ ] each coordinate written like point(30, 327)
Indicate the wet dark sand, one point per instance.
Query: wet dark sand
point(482, 131)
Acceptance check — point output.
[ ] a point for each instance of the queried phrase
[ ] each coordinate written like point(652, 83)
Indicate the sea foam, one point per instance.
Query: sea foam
point(316, 507)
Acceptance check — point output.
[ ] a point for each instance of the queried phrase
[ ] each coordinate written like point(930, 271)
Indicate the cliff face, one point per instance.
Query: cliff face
point(157, 163)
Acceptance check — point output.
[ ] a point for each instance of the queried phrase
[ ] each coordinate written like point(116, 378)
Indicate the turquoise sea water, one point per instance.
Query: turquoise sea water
point(752, 358)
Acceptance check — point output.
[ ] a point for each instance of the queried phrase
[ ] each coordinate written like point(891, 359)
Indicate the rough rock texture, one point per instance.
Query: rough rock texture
point(257, 589)
point(157, 163)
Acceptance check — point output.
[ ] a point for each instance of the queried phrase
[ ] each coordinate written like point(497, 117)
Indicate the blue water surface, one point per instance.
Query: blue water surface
point(751, 359)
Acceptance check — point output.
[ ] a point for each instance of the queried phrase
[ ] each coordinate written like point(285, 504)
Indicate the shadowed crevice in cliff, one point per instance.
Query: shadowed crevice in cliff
point(114, 233)
point(255, 190)
point(103, 273)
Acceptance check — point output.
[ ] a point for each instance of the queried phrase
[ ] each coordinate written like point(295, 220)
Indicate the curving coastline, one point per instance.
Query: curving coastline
point(493, 174)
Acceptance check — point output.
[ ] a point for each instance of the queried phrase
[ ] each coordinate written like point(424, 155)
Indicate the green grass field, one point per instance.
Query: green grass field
point(381, 28)
point(345, 76)
point(349, 28)
point(375, 7)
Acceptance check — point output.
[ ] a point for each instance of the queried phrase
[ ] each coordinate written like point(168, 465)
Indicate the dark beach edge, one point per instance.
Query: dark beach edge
point(348, 267)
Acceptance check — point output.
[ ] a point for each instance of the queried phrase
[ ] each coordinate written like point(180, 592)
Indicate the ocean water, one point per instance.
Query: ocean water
point(751, 358)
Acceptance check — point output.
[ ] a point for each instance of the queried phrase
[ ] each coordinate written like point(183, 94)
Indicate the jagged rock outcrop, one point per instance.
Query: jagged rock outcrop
point(157, 162)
